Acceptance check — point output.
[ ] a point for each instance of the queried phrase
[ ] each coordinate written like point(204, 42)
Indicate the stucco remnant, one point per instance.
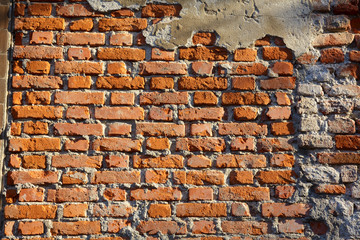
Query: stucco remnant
point(237, 22)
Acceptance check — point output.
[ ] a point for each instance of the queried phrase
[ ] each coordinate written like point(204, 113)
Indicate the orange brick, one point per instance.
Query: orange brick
point(117, 161)
point(277, 53)
point(38, 98)
point(201, 210)
point(74, 177)
point(161, 114)
point(37, 52)
point(199, 161)
point(126, 54)
point(75, 210)
point(282, 128)
point(41, 38)
point(245, 55)
point(34, 144)
point(159, 54)
point(122, 98)
point(120, 82)
point(91, 68)
point(31, 194)
point(204, 38)
point(123, 24)
point(80, 145)
point(92, 39)
point(243, 83)
point(161, 10)
point(82, 25)
point(40, 9)
point(76, 82)
point(79, 54)
point(159, 210)
point(30, 211)
point(245, 113)
point(31, 228)
point(156, 176)
point(205, 98)
point(205, 193)
point(117, 68)
point(46, 24)
point(78, 113)
point(34, 161)
point(121, 39)
point(119, 129)
point(80, 98)
point(203, 53)
point(157, 144)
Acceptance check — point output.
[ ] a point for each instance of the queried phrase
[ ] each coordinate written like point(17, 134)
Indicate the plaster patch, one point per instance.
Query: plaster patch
point(237, 22)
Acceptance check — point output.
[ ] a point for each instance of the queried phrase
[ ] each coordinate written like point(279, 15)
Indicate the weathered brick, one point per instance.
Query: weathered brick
point(79, 54)
point(75, 210)
point(276, 177)
point(164, 227)
point(74, 177)
point(194, 114)
point(157, 98)
point(198, 144)
point(159, 210)
point(91, 68)
point(277, 53)
point(156, 176)
point(291, 226)
point(34, 144)
point(31, 195)
point(109, 177)
point(34, 177)
point(201, 129)
point(115, 194)
point(120, 82)
point(350, 142)
point(169, 161)
point(202, 68)
point(76, 161)
point(34, 161)
point(203, 227)
point(73, 195)
point(202, 83)
point(243, 83)
point(204, 38)
point(117, 68)
point(203, 53)
point(162, 68)
point(119, 113)
point(117, 161)
point(46, 24)
point(284, 192)
point(81, 98)
point(82, 25)
point(201, 210)
point(253, 129)
point(245, 98)
point(40, 9)
point(76, 82)
point(121, 39)
point(160, 129)
point(333, 39)
point(245, 55)
point(245, 113)
point(278, 83)
point(282, 128)
point(205, 193)
point(241, 177)
point(74, 10)
point(257, 69)
point(117, 144)
point(246, 227)
point(76, 228)
point(153, 143)
point(158, 194)
point(30, 211)
point(161, 10)
point(241, 161)
point(37, 52)
point(38, 67)
point(31, 228)
point(283, 68)
point(240, 210)
point(282, 160)
point(122, 24)
point(127, 54)
point(158, 83)
point(332, 55)
point(41, 38)
point(161, 114)
point(244, 194)
point(204, 177)
point(285, 210)
point(78, 129)
point(242, 144)
point(37, 82)
point(274, 145)
point(77, 112)
point(119, 129)
point(330, 189)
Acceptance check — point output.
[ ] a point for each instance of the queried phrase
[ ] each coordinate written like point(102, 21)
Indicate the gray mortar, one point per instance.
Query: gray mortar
point(238, 23)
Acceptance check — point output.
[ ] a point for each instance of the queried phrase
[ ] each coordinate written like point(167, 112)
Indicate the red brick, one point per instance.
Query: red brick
point(243, 144)
point(73, 195)
point(204, 177)
point(201, 210)
point(161, 114)
point(82, 25)
point(240, 210)
point(193, 114)
point(91, 68)
point(204, 38)
point(169, 161)
point(31, 195)
point(241, 161)
point(34, 177)
point(274, 145)
point(34, 144)
point(243, 83)
point(330, 189)
point(74, 10)
point(76, 161)
point(278, 83)
point(45, 24)
point(76, 82)
point(120, 82)
point(202, 68)
point(34, 161)
point(284, 192)
point(282, 128)
point(244, 194)
point(127, 54)
point(204, 129)
point(160, 129)
point(265, 41)
point(158, 194)
point(122, 24)
point(41, 38)
point(332, 55)
point(81, 98)
point(30, 211)
point(241, 177)
point(121, 39)
point(40, 9)
point(117, 144)
point(245, 113)
point(76, 228)
point(200, 144)
point(16, 129)
point(38, 98)
point(161, 83)
point(78, 113)
point(119, 129)
point(203, 227)
point(205, 193)
point(245, 55)
point(31, 228)
point(79, 54)
point(164, 227)
point(117, 161)
point(119, 113)
point(159, 54)
point(350, 142)
point(109, 177)
point(19, 9)
point(157, 98)
point(282, 160)
point(283, 68)
point(18, 67)
point(78, 129)
point(202, 83)
point(162, 68)
point(159, 210)
point(115, 194)
point(245, 98)
point(203, 53)
point(37, 82)
point(246, 227)
point(75, 210)
point(38, 112)
point(156, 176)
point(339, 158)
point(285, 210)
point(160, 10)
point(277, 53)
point(156, 144)
point(37, 52)
point(74, 177)
point(253, 129)
point(276, 177)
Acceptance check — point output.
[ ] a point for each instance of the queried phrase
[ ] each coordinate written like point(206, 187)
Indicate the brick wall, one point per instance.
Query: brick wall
point(110, 138)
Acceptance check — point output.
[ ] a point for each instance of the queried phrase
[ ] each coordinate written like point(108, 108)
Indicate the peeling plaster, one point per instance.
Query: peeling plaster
point(238, 23)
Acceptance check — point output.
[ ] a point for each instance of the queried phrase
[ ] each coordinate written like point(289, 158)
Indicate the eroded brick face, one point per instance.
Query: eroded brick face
point(111, 138)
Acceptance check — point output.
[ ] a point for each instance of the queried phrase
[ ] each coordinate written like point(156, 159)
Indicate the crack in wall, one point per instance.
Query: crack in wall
point(238, 23)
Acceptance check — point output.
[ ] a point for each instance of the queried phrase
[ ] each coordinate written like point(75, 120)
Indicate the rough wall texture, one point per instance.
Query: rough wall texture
point(111, 138)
